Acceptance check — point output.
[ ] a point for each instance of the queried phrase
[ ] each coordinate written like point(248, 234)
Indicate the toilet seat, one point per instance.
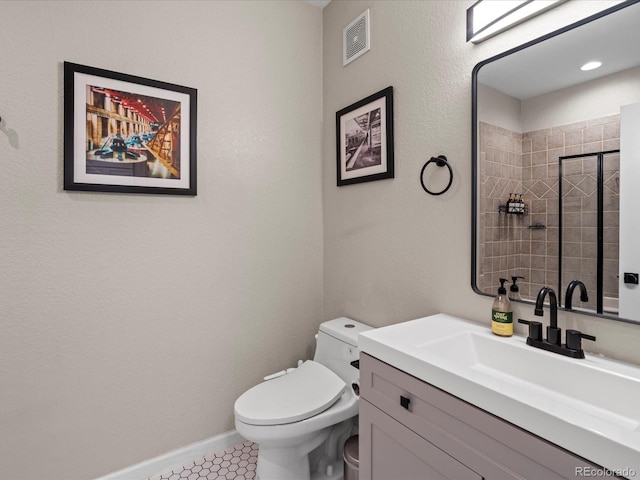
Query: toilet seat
point(306, 391)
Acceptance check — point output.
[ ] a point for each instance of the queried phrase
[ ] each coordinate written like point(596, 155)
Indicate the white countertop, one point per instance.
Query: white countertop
point(589, 406)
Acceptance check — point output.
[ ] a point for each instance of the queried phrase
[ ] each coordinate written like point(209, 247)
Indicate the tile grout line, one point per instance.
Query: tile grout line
point(233, 463)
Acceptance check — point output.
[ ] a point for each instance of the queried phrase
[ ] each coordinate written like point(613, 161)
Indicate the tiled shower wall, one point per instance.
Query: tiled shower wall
point(500, 238)
point(529, 163)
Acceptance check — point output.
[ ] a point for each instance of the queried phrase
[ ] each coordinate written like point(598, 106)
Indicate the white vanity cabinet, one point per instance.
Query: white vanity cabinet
point(410, 430)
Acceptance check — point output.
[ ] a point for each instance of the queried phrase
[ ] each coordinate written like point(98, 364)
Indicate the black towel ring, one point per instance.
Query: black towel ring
point(440, 161)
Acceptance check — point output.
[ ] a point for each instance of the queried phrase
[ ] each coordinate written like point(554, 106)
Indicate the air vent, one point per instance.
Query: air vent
point(356, 38)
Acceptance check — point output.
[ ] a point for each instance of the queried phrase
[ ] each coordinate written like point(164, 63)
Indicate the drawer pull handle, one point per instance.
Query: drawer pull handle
point(404, 401)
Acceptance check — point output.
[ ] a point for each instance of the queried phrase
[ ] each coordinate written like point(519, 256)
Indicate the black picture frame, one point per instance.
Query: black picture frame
point(128, 134)
point(364, 139)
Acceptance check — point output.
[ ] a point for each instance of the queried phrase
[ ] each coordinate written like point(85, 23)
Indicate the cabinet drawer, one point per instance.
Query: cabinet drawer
point(485, 443)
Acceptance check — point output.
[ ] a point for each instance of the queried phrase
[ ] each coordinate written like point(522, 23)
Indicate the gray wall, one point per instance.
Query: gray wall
point(130, 324)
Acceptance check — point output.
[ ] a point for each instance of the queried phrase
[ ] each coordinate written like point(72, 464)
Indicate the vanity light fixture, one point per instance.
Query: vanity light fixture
point(487, 18)
point(590, 66)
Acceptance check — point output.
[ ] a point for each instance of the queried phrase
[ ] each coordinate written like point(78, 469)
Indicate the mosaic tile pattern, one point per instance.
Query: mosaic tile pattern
point(234, 463)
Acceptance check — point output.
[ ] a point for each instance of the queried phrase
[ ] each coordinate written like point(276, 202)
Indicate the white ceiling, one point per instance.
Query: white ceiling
point(553, 64)
point(318, 3)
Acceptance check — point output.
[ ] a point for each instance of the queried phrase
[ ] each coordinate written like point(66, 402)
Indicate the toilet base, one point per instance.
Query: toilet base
point(283, 461)
point(336, 470)
point(316, 457)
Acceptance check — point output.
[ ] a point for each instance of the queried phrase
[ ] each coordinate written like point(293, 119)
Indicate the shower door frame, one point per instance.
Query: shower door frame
point(600, 223)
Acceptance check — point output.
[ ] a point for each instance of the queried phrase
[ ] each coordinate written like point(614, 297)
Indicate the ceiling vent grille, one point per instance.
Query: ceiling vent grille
point(356, 38)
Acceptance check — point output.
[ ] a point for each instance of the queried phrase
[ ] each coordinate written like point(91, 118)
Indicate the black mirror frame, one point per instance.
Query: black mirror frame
point(474, 145)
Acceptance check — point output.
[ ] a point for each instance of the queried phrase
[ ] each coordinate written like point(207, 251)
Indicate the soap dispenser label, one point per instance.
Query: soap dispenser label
point(502, 322)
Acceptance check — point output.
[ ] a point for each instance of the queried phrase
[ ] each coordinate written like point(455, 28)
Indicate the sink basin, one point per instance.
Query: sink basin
point(588, 406)
point(567, 386)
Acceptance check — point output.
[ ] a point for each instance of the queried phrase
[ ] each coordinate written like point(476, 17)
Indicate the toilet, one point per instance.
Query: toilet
point(302, 417)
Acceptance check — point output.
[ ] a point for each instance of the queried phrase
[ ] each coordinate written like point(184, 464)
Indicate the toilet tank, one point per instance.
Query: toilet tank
point(337, 346)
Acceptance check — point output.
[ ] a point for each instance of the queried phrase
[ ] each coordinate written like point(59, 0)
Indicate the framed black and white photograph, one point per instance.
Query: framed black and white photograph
point(365, 139)
point(128, 134)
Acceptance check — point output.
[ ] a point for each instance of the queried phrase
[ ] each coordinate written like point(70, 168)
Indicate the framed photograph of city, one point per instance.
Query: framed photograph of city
point(128, 134)
point(364, 138)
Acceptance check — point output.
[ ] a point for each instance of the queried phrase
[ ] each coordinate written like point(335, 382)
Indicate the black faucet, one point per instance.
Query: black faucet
point(553, 332)
point(553, 343)
point(569, 295)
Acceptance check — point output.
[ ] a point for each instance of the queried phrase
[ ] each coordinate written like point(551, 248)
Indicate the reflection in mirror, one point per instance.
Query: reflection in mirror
point(549, 134)
point(589, 219)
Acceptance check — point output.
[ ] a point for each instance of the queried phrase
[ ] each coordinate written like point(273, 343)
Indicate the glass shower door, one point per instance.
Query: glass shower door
point(588, 227)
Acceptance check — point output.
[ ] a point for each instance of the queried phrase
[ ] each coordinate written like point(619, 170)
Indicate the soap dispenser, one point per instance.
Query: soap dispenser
point(514, 289)
point(501, 314)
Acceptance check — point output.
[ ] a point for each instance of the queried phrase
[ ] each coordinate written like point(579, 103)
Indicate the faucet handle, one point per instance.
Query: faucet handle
point(574, 339)
point(554, 335)
point(535, 329)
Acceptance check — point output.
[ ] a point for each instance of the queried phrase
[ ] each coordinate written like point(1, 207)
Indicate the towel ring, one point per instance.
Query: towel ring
point(440, 161)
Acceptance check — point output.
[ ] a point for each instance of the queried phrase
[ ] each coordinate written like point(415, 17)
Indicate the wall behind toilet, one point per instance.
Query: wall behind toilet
point(131, 323)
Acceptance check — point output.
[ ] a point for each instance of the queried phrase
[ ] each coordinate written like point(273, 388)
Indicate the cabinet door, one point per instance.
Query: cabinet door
point(390, 451)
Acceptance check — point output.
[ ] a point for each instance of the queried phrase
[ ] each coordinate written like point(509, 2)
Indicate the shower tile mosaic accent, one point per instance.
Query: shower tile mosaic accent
point(234, 463)
point(528, 163)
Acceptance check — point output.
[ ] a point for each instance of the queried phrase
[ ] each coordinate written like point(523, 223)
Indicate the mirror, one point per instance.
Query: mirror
point(560, 143)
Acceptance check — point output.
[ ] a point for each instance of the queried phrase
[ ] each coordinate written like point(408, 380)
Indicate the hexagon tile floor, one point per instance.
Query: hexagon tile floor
point(234, 463)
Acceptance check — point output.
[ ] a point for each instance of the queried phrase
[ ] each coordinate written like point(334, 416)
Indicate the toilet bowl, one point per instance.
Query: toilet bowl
point(301, 419)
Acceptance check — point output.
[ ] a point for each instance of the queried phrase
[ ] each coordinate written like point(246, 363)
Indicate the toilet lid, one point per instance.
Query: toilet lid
point(306, 391)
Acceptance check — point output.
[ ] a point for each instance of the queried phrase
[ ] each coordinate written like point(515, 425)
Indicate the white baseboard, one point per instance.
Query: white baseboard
point(176, 458)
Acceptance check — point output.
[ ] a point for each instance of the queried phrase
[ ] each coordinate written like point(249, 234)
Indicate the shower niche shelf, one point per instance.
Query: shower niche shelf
point(514, 206)
point(520, 209)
